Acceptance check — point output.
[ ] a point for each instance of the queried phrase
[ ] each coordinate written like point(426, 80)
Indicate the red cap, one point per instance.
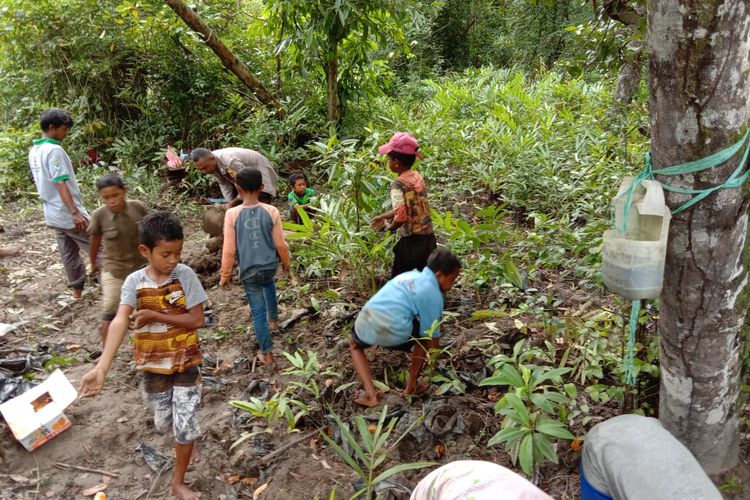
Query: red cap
point(402, 142)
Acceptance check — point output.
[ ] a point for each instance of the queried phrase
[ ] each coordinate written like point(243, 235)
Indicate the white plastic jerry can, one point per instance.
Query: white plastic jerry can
point(633, 259)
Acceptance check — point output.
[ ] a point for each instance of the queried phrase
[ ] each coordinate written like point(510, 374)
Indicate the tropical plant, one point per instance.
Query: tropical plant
point(529, 408)
point(280, 407)
point(372, 451)
point(305, 370)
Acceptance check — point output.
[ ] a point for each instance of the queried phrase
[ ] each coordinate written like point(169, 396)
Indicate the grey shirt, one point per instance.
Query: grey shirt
point(50, 164)
point(229, 161)
point(634, 458)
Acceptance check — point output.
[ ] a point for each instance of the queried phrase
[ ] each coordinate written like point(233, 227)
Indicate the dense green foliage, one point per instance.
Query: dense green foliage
point(524, 148)
point(136, 79)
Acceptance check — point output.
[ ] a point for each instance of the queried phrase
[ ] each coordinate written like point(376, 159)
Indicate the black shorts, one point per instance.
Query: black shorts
point(406, 346)
point(411, 252)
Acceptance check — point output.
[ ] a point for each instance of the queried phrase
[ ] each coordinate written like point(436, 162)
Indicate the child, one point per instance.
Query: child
point(411, 210)
point(252, 232)
point(300, 195)
point(116, 224)
point(164, 304)
point(398, 316)
point(61, 199)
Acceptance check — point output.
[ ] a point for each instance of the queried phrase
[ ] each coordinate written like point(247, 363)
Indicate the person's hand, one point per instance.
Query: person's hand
point(92, 382)
point(141, 318)
point(377, 222)
point(80, 222)
point(95, 269)
point(286, 268)
point(224, 281)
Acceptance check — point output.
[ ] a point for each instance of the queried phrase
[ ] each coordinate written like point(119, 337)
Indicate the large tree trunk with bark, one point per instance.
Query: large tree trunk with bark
point(699, 95)
point(226, 56)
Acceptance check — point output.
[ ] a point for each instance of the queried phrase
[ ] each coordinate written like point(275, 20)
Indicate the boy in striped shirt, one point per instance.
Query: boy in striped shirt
point(163, 305)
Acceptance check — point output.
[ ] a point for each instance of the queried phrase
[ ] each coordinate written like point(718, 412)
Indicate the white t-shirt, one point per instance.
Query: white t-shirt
point(50, 164)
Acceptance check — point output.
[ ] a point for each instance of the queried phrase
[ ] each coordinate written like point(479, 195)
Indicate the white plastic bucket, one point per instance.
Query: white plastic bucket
point(633, 260)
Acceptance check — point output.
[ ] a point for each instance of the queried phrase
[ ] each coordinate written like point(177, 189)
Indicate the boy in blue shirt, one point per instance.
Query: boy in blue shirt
point(399, 316)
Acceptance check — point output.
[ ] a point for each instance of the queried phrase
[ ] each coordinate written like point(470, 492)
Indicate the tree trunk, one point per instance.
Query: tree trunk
point(699, 94)
point(333, 108)
point(229, 60)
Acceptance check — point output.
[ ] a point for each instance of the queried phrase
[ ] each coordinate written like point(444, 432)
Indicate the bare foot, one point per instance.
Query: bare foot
point(181, 491)
point(273, 324)
point(421, 388)
point(267, 360)
point(364, 400)
point(77, 294)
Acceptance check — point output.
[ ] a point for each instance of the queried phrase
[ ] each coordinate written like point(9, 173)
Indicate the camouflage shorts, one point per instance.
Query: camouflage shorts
point(179, 407)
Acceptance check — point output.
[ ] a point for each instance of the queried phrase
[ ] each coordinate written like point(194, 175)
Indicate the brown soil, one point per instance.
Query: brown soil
point(108, 428)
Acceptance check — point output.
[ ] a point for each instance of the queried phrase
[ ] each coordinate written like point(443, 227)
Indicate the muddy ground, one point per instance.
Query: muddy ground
point(109, 428)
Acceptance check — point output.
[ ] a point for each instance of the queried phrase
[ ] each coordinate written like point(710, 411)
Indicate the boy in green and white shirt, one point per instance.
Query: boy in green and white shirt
point(300, 195)
point(57, 186)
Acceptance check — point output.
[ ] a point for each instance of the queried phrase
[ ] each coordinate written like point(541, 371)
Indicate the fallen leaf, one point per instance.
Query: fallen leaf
point(440, 450)
point(73, 347)
point(259, 491)
point(372, 428)
point(325, 464)
point(122, 420)
point(90, 492)
point(19, 478)
point(576, 444)
point(234, 478)
point(249, 480)
point(329, 382)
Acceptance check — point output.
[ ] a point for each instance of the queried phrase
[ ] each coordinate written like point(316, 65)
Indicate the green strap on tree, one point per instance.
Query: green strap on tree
point(735, 180)
point(635, 311)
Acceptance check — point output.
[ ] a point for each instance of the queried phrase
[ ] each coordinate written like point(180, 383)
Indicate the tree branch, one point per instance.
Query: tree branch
point(226, 56)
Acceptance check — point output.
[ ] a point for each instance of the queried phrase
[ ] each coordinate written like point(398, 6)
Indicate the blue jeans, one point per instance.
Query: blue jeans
point(260, 291)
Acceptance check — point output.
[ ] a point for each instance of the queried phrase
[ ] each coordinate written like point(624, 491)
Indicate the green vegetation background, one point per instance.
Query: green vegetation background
point(511, 100)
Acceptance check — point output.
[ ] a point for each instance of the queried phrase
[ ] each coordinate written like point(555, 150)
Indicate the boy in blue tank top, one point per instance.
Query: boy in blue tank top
point(253, 235)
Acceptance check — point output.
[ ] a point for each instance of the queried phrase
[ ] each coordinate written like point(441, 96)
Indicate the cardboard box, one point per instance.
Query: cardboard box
point(36, 416)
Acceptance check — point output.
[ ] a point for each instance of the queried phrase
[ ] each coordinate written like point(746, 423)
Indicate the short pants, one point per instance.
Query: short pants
point(406, 346)
point(411, 252)
point(111, 287)
point(174, 400)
